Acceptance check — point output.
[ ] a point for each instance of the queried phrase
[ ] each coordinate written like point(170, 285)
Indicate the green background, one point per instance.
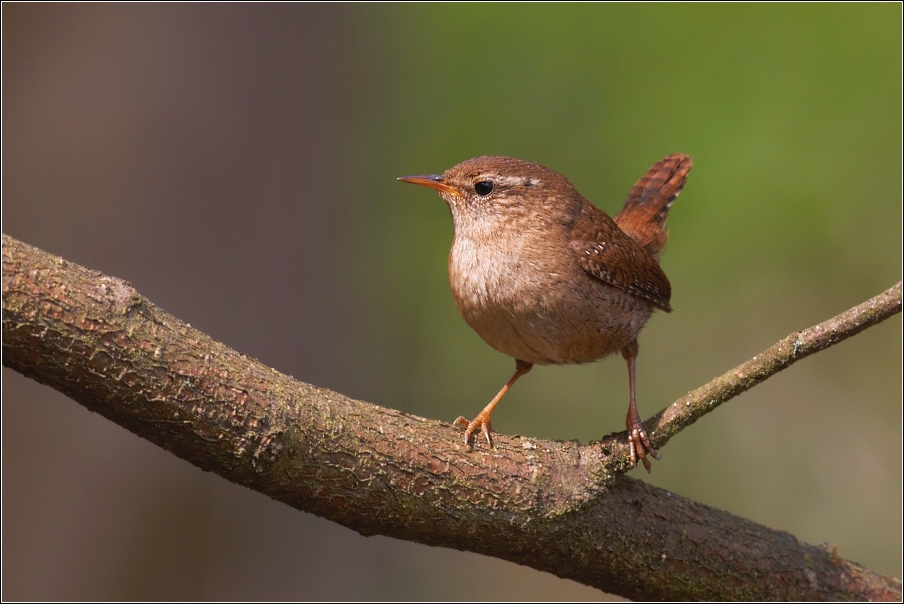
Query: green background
point(237, 164)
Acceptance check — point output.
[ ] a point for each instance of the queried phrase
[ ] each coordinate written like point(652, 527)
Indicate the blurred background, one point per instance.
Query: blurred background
point(237, 164)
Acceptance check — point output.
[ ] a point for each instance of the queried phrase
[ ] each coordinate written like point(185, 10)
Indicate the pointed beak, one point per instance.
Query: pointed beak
point(434, 181)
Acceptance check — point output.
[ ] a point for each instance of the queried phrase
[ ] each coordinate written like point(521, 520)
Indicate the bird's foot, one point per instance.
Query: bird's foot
point(639, 441)
point(482, 421)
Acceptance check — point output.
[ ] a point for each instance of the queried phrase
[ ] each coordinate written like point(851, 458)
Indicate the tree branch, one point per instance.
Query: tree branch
point(555, 506)
point(800, 344)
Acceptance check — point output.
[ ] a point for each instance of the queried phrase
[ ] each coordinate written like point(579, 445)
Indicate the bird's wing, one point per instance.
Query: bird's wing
point(604, 251)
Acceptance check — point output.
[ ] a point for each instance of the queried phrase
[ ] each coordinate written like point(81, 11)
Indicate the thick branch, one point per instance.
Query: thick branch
point(554, 506)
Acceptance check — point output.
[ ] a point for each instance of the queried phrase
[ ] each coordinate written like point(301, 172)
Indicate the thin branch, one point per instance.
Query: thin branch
point(800, 344)
point(554, 506)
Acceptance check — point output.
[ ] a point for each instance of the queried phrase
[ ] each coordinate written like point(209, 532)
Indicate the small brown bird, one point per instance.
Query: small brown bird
point(546, 277)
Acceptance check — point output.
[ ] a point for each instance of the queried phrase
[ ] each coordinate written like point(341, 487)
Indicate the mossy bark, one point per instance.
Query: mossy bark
point(555, 506)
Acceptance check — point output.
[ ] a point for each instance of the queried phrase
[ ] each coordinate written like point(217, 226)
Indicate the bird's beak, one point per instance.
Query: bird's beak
point(434, 181)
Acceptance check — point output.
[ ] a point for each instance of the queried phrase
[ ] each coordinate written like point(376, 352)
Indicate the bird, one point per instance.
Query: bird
point(546, 277)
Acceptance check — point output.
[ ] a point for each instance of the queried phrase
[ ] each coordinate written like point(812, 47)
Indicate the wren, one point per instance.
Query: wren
point(546, 277)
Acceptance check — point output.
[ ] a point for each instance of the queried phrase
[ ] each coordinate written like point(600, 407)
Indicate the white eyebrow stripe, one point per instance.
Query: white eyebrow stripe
point(515, 180)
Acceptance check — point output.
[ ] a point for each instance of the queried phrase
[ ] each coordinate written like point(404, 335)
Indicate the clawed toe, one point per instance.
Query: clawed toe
point(639, 442)
point(482, 422)
point(641, 447)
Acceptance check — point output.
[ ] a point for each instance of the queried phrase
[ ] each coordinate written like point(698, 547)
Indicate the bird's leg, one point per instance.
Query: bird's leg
point(482, 420)
point(637, 435)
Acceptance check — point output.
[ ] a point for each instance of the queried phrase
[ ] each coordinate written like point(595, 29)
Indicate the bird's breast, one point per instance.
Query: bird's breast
point(499, 275)
point(526, 296)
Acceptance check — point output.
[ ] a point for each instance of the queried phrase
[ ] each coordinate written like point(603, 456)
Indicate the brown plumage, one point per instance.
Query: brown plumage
point(546, 277)
point(647, 207)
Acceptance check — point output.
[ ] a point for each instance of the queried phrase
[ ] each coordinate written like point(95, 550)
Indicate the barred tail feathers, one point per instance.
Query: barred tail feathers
point(647, 207)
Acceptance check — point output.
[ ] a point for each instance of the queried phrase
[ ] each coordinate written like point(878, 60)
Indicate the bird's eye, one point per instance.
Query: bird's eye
point(484, 187)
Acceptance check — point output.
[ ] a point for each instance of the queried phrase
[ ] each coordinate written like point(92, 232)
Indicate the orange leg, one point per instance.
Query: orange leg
point(482, 420)
point(637, 435)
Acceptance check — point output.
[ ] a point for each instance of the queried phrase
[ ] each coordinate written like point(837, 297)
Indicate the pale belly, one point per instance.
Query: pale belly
point(541, 316)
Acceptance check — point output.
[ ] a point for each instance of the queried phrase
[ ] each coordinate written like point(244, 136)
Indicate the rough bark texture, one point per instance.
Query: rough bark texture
point(555, 506)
